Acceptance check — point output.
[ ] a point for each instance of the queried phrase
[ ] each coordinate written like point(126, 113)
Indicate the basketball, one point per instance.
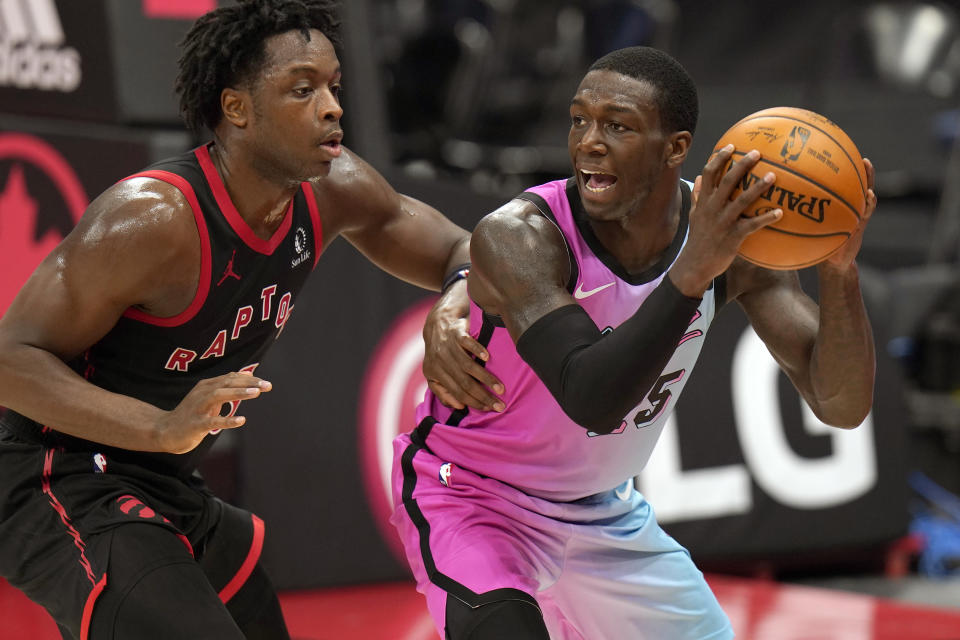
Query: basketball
point(821, 185)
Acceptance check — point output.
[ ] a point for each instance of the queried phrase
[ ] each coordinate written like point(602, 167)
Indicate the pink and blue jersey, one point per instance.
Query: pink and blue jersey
point(533, 445)
point(527, 506)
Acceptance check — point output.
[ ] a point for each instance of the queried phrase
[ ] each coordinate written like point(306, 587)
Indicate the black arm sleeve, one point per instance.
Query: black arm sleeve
point(598, 378)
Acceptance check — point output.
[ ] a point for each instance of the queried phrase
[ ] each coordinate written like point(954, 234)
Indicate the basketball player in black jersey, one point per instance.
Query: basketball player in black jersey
point(135, 341)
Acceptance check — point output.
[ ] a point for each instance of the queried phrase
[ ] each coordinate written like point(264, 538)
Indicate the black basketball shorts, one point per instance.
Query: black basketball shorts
point(78, 530)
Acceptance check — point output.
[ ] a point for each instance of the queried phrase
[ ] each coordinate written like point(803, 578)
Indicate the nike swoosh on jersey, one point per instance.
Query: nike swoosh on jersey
point(580, 294)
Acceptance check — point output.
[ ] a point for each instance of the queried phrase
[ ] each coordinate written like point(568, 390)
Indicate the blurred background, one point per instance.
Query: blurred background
point(463, 103)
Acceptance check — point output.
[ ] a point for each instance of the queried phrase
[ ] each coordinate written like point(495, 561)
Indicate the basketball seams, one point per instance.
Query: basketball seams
point(805, 178)
point(814, 185)
point(842, 148)
point(793, 267)
point(796, 234)
point(799, 263)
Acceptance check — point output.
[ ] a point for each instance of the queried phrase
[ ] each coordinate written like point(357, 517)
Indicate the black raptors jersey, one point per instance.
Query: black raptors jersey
point(245, 296)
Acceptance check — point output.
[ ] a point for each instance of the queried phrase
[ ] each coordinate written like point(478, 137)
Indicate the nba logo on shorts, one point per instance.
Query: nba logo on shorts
point(99, 463)
point(446, 470)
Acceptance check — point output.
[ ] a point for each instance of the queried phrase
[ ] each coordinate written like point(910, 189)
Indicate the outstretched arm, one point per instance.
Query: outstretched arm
point(416, 243)
point(826, 351)
point(405, 237)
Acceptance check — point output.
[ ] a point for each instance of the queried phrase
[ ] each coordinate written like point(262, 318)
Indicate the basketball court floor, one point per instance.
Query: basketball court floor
point(758, 609)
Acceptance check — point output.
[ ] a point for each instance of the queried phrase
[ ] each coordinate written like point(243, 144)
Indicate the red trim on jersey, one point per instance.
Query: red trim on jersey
point(256, 546)
point(55, 503)
point(185, 541)
point(88, 607)
point(233, 217)
point(315, 219)
point(203, 287)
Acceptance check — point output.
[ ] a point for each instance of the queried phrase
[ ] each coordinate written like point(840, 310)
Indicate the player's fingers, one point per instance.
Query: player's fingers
point(751, 224)
point(480, 379)
point(467, 343)
point(463, 388)
point(871, 206)
point(748, 196)
point(478, 396)
point(468, 391)
point(443, 395)
point(474, 369)
point(227, 422)
point(464, 380)
point(244, 379)
point(220, 398)
point(871, 203)
point(239, 379)
point(737, 171)
point(713, 170)
point(471, 383)
point(697, 184)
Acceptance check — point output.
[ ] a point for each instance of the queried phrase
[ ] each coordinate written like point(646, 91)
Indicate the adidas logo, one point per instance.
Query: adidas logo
point(32, 51)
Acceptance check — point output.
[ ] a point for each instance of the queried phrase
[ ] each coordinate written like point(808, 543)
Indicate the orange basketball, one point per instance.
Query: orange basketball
point(821, 185)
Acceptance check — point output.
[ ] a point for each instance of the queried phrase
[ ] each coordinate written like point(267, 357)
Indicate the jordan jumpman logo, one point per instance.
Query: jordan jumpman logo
point(229, 272)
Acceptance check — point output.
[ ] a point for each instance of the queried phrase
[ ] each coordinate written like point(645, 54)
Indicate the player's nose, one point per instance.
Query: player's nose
point(329, 107)
point(591, 141)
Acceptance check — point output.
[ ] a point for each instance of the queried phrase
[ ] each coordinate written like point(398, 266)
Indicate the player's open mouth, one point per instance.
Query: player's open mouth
point(596, 181)
point(333, 147)
point(331, 142)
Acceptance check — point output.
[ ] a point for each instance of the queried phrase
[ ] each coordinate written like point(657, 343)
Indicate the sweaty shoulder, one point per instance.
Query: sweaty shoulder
point(141, 231)
point(352, 191)
point(516, 252)
point(517, 226)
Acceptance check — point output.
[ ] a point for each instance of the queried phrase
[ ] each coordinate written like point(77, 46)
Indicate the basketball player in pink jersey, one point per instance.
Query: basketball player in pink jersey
point(593, 296)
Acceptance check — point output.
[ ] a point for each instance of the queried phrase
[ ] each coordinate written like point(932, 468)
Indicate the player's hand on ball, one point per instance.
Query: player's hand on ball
point(845, 256)
point(210, 406)
point(717, 226)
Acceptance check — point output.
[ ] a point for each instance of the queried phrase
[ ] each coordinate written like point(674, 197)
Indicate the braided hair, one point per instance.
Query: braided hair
point(225, 48)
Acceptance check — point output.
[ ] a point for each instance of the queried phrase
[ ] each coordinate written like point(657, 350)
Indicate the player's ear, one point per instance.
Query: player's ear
point(677, 147)
point(235, 106)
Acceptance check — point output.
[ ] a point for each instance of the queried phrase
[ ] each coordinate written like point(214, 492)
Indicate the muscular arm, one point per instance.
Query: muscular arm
point(520, 270)
point(416, 243)
point(135, 246)
point(827, 351)
point(402, 235)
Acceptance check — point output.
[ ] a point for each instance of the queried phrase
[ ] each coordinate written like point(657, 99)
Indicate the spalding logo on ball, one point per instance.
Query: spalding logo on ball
point(821, 185)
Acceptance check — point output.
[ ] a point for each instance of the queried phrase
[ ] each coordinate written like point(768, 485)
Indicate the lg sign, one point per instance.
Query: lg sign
point(31, 171)
point(394, 385)
point(791, 480)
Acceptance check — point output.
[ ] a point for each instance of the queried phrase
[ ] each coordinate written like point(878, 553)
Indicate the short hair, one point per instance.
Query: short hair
point(225, 48)
point(676, 92)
